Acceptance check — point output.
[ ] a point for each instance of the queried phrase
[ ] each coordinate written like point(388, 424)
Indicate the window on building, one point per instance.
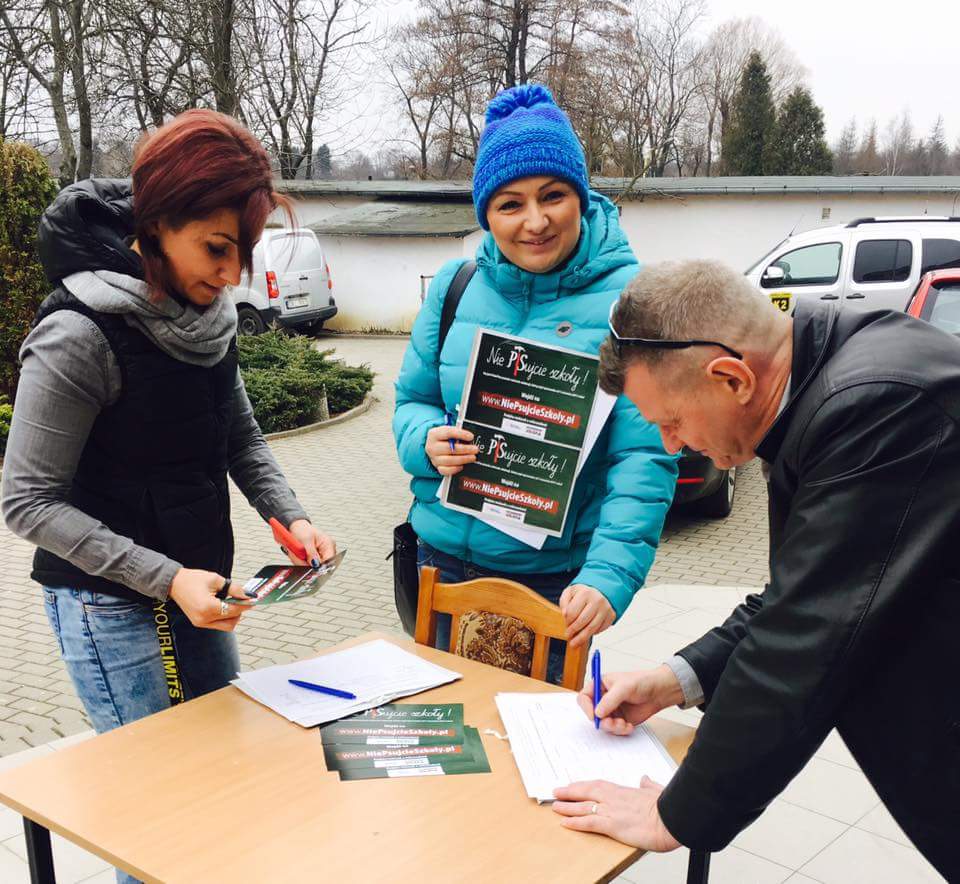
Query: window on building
point(883, 260)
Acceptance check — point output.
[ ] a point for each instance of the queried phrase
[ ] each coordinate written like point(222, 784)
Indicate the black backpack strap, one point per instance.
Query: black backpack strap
point(458, 285)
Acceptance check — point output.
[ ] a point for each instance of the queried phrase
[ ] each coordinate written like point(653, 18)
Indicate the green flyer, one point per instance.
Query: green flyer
point(399, 724)
point(367, 762)
point(286, 583)
point(528, 406)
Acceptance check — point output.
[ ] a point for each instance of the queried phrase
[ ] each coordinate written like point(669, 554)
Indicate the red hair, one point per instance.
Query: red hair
point(198, 163)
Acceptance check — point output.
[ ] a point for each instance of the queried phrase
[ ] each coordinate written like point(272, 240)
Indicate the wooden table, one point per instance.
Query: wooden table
point(222, 789)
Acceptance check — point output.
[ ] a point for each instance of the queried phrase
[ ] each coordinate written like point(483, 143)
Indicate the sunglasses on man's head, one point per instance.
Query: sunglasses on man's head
point(659, 343)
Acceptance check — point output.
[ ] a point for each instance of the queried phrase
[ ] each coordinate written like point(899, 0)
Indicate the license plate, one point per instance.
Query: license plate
point(781, 300)
point(297, 301)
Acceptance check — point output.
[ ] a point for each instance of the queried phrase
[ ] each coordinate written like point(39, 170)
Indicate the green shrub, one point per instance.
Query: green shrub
point(285, 379)
point(6, 415)
point(26, 189)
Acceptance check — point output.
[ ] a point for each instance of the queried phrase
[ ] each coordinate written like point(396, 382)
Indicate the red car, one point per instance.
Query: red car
point(937, 299)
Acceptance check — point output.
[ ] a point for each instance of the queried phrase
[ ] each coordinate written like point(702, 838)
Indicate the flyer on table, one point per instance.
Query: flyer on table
point(411, 724)
point(365, 762)
point(528, 406)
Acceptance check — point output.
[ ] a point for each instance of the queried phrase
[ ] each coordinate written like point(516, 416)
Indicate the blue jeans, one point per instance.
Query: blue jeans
point(112, 654)
point(454, 570)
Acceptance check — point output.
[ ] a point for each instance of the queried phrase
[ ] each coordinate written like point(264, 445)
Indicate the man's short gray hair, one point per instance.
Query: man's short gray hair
point(681, 301)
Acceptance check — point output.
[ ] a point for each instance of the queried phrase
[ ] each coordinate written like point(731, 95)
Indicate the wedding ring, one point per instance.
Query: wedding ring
point(594, 808)
point(223, 608)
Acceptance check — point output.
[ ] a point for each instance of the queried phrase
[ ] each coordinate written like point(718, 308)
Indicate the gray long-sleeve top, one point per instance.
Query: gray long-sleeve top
point(69, 375)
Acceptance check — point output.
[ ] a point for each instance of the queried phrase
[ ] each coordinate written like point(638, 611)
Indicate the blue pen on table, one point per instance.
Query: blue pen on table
point(597, 686)
point(320, 689)
point(448, 421)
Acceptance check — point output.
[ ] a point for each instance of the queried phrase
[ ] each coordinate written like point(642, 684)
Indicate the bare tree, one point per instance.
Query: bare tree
point(51, 41)
point(301, 56)
point(898, 143)
point(845, 150)
point(154, 58)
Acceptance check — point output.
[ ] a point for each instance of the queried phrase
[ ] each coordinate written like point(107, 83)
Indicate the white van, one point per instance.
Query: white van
point(869, 263)
point(291, 284)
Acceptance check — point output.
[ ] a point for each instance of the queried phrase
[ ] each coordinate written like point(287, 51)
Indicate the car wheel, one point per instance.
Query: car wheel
point(719, 504)
point(249, 322)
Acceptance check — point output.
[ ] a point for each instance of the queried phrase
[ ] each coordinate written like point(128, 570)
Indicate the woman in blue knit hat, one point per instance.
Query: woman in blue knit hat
point(551, 264)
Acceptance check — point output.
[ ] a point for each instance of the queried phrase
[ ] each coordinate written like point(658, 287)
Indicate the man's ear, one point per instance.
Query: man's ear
point(735, 375)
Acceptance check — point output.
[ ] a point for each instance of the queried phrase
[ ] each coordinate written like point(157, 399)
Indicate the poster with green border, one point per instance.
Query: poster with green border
point(529, 389)
point(411, 724)
point(364, 762)
point(528, 405)
point(518, 480)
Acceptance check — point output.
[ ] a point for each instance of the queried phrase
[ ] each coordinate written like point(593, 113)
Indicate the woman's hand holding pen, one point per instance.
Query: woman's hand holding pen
point(630, 698)
point(319, 546)
point(195, 592)
point(438, 448)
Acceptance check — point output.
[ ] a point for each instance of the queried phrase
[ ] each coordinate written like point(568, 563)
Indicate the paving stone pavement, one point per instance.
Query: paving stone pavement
point(348, 479)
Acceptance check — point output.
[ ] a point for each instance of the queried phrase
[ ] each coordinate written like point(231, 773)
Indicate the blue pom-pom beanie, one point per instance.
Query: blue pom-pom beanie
point(526, 134)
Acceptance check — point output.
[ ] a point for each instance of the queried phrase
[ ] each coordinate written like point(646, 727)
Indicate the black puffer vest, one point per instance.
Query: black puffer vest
point(154, 467)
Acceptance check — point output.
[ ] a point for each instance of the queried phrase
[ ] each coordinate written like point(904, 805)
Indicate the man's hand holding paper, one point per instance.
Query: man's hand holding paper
point(628, 815)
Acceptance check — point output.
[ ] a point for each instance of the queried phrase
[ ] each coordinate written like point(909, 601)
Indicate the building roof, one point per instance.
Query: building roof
point(461, 191)
point(382, 218)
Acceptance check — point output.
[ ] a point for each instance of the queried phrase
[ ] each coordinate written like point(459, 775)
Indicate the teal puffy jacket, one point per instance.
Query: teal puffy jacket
point(625, 488)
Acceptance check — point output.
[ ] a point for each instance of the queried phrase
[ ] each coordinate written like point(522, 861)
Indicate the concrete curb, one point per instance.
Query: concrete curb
point(362, 408)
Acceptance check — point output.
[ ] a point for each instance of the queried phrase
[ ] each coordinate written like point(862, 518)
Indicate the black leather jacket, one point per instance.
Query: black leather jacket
point(859, 626)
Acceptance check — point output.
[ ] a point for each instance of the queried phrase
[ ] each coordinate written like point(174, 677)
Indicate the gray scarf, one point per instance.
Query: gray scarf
point(187, 333)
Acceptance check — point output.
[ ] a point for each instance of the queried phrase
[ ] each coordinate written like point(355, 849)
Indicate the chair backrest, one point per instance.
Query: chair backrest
point(498, 596)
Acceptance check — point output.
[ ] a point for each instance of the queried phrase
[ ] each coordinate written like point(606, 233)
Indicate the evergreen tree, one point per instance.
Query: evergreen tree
point(752, 121)
point(324, 168)
point(797, 145)
point(845, 150)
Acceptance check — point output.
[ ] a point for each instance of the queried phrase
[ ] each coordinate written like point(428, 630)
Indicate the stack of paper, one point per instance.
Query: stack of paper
point(555, 744)
point(404, 740)
point(375, 671)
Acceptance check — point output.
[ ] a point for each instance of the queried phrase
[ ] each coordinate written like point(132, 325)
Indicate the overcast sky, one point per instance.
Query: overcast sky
point(864, 59)
point(869, 59)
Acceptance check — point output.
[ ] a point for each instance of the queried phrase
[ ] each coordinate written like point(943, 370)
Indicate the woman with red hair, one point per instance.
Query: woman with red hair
point(131, 413)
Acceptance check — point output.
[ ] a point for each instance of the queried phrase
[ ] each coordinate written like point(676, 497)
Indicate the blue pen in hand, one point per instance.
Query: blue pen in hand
point(597, 686)
point(448, 421)
point(320, 689)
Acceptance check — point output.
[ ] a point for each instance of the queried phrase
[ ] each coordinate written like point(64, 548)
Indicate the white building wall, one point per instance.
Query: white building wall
point(377, 279)
point(740, 229)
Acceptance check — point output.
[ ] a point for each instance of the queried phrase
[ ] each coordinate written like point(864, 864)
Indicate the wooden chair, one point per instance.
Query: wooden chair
point(498, 596)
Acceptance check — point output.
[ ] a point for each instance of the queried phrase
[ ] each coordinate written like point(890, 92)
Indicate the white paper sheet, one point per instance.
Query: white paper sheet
point(375, 671)
point(555, 744)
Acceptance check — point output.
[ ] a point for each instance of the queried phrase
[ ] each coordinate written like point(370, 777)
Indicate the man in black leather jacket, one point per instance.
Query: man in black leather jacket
point(855, 415)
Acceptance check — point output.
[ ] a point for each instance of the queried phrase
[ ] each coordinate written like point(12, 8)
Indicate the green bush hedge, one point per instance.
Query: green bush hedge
point(285, 379)
point(6, 414)
point(26, 189)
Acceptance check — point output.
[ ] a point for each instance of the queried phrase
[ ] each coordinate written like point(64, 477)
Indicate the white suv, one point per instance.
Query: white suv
point(868, 263)
point(291, 284)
